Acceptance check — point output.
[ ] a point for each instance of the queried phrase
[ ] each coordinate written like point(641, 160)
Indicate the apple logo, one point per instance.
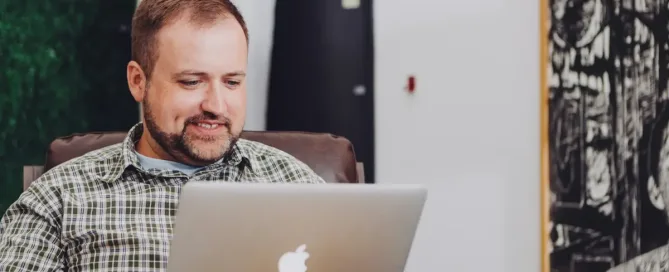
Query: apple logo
point(294, 261)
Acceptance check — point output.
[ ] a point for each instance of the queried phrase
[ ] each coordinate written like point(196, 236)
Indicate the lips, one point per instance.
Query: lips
point(209, 129)
point(208, 125)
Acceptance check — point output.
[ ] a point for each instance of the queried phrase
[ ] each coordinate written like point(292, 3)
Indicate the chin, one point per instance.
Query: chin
point(209, 151)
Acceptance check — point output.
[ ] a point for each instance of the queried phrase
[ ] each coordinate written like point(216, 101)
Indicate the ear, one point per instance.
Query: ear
point(136, 81)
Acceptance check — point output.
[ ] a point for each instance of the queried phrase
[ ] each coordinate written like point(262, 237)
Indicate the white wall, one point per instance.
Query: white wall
point(470, 132)
point(259, 17)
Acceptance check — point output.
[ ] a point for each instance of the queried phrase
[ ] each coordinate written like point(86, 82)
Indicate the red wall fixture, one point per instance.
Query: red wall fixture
point(411, 84)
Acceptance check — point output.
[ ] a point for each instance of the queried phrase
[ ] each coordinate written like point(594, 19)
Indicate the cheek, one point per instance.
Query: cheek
point(183, 107)
point(237, 105)
point(175, 108)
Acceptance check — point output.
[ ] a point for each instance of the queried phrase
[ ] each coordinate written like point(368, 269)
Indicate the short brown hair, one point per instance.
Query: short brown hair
point(152, 15)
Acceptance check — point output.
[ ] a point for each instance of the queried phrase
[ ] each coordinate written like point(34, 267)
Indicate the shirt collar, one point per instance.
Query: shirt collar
point(239, 157)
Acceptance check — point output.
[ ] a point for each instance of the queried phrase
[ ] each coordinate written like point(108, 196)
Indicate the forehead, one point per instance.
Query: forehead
point(219, 46)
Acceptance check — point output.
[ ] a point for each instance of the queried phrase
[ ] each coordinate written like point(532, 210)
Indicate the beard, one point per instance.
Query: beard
point(182, 146)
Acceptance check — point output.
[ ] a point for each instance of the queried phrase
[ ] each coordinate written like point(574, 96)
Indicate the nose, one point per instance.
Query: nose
point(215, 101)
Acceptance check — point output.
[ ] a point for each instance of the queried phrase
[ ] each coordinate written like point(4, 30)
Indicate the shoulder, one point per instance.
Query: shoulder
point(92, 166)
point(49, 191)
point(277, 164)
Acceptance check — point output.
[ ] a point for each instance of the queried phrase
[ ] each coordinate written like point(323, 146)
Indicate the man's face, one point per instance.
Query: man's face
point(195, 102)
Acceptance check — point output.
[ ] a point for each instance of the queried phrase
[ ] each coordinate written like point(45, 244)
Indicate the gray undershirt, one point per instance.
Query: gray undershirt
point(150, 163)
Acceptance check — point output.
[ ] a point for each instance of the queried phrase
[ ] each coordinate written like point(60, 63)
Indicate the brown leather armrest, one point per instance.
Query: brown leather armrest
point(30, 174)
point(360, 169)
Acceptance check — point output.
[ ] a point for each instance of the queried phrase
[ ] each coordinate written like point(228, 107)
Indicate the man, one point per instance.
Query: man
point(113, 209)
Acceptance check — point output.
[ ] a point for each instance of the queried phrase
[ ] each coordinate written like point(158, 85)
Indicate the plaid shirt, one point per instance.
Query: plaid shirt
point(102, 212)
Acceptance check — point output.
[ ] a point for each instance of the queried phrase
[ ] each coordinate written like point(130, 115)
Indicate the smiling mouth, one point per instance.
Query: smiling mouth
point(206, 130)
point(208, 126)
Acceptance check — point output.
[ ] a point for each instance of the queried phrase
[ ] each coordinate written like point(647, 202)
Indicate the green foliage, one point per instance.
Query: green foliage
point(46, 88)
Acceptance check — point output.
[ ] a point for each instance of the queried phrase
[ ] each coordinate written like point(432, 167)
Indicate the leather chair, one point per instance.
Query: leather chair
point(330, 156)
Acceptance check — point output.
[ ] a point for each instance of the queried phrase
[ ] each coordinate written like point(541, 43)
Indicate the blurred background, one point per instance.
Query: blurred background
point(61, 72)
point(468, 128)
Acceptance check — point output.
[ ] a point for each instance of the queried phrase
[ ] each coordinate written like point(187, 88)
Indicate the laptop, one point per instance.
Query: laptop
point(295, 227)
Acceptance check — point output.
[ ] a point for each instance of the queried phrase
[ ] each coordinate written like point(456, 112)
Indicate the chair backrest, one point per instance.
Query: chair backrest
point(330, 156)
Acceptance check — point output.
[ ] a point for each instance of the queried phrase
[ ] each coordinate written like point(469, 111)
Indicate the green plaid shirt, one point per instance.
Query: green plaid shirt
point(102, 212)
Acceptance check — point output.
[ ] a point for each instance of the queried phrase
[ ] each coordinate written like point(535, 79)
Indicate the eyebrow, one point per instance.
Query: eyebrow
point(235, 73)
point(198, 73)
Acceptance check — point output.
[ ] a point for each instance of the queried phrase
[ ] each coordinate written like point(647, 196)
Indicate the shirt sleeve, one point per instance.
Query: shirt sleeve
point(30, 233)
point(305, 173)
point(316, 178)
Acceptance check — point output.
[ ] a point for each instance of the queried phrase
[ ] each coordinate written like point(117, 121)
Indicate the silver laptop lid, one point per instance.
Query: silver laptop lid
point(295, 228)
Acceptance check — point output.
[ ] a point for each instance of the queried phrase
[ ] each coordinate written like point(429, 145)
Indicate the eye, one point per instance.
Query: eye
point(233, 83)
point(189, 83)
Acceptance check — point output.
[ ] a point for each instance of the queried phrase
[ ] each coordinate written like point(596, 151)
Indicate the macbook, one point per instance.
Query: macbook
point(295, 227)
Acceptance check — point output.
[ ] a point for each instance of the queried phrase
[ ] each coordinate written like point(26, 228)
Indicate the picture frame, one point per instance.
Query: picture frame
point(604, 111)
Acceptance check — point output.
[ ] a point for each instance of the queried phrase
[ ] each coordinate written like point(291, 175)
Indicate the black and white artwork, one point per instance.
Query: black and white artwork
point(608, 140)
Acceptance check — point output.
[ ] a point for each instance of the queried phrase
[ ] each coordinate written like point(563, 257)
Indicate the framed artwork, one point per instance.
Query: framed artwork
point(605, 139)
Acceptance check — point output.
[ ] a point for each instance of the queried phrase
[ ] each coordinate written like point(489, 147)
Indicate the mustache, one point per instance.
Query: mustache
point(209, 117)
